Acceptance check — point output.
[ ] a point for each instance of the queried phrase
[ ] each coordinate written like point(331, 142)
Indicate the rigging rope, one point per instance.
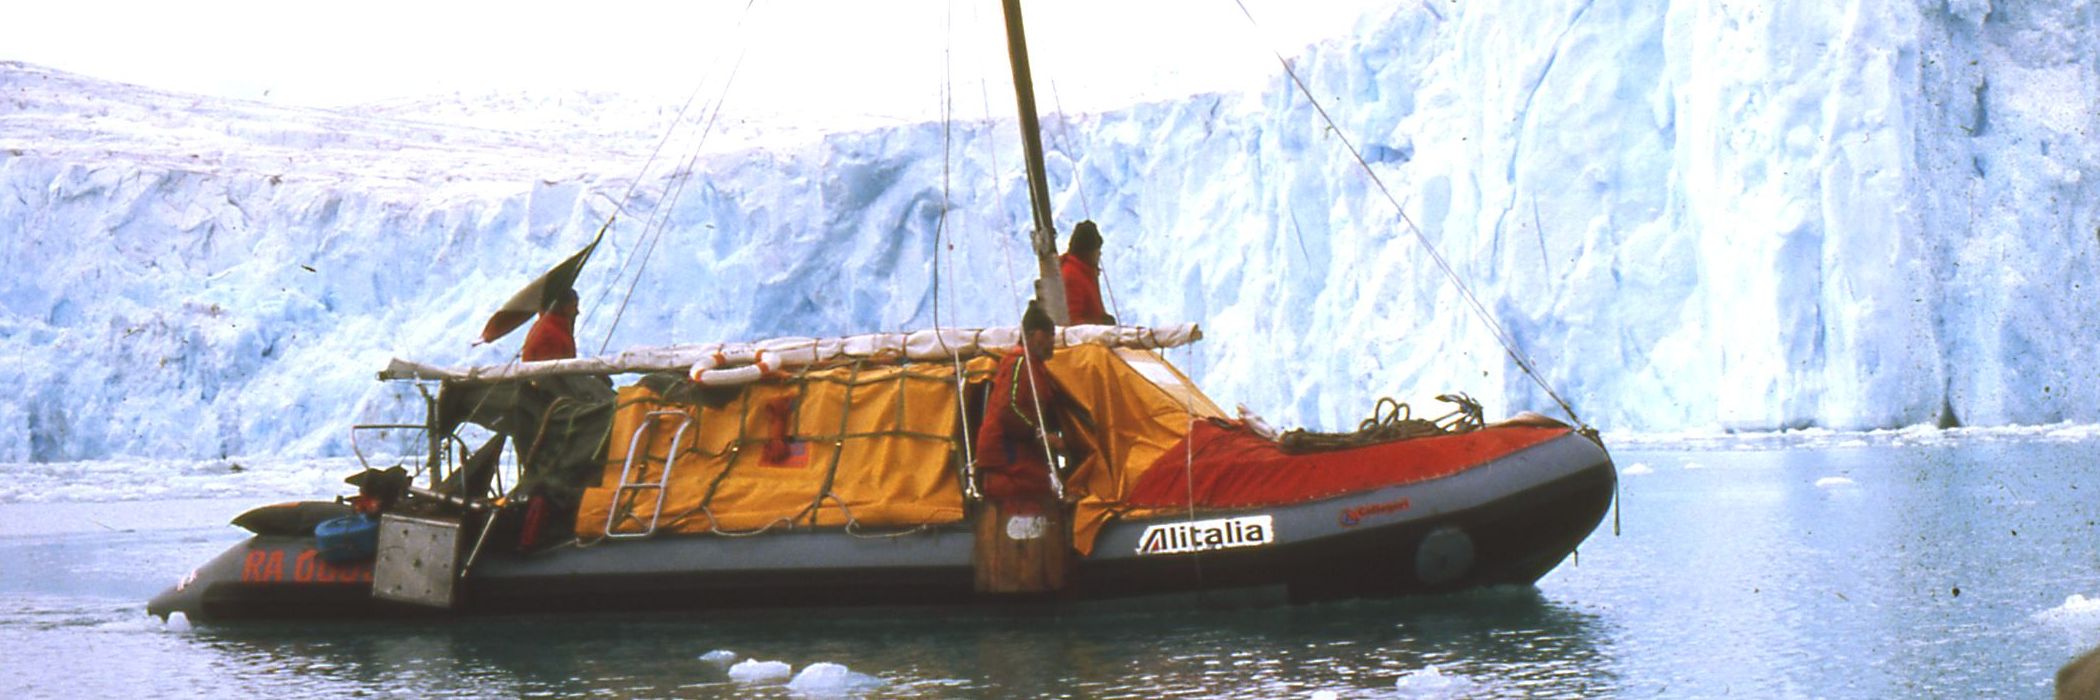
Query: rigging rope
point(1064, 129)
point(665, 206)
point(1501, 334)
point(942, 240)
point(991, 146)
point(1188, 466)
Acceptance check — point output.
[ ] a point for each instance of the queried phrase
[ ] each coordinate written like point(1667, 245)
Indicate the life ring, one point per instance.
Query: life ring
point(712, 362)
point(734, 376)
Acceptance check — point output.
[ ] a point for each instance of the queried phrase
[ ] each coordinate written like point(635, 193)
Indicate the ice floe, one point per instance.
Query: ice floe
point(1431, 682)
point(756, 671)
point(829, 679)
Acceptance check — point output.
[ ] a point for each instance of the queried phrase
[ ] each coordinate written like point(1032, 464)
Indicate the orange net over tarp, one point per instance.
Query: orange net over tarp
point(878, 444)
point(874, 445)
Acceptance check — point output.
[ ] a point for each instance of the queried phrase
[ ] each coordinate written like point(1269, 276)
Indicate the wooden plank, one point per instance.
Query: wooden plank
point(1021, 547)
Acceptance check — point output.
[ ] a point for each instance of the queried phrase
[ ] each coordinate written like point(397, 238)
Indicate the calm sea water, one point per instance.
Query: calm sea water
point(1891, 566)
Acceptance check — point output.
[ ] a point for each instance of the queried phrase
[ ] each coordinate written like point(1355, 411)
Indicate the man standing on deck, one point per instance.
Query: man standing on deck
point(553, 335)
point(1015, 440)
point(1081, 270)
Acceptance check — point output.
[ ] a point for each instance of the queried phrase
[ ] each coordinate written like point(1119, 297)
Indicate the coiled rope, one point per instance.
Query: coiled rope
point(1390, 421)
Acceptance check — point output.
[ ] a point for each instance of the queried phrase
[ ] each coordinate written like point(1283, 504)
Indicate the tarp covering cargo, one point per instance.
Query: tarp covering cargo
point(1135, 407)
point(871, 444)
point(866, 444)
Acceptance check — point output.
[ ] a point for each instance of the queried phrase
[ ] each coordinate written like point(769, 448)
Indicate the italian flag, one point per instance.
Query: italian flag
point(541, 293)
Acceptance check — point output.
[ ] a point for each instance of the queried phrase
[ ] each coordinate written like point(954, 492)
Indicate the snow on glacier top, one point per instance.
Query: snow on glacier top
point(1868, 216)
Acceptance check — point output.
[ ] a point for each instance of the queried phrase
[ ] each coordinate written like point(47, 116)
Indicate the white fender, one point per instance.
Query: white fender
point(734, 376)
point(709, 363)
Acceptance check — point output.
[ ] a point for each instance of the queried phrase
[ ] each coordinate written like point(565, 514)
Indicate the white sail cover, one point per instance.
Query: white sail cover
point(945, 344)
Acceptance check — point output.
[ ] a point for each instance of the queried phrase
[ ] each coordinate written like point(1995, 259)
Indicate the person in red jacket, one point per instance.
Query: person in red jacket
point(1081, 270)
point(553, 337)
point(1016, 438)
point(553, 334)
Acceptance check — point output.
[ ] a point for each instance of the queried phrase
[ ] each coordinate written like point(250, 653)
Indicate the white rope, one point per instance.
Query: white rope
point(620, 205)
point(1501, 334)
point(1042, 423)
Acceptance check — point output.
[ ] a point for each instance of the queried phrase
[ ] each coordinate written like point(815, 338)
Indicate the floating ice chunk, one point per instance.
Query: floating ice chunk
point(1429, 682)
point(1325, 695)
point(826, 679)
point(1834, 482)
point(1694, 465)
point(1637, 469)
point(178, 622)
point(2077, 611)
point(719, 657)
point(756, 671)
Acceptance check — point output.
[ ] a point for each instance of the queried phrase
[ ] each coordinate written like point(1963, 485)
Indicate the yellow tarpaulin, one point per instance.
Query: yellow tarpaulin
point(875, 446)
point(1136, 406)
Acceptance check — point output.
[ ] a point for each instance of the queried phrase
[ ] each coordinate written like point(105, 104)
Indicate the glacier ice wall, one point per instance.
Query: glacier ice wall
point(1857, 214)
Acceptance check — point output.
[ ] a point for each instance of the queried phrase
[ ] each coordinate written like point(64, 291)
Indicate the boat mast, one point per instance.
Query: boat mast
point(1049, 286)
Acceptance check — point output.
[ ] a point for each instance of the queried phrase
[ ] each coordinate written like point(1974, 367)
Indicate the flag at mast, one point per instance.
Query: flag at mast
point(541, 293)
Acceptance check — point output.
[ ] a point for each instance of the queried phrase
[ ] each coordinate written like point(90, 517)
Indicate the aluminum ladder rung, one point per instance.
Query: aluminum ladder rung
point(628, 485)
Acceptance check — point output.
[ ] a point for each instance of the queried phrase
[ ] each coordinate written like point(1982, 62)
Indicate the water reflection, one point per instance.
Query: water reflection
point(1744, 577)
point(1762, 573)
point(1510, 642)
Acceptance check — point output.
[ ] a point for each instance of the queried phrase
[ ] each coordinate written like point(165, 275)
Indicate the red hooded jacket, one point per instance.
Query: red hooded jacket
point(1010, 456)
point(553, 337)
point(1082, 291)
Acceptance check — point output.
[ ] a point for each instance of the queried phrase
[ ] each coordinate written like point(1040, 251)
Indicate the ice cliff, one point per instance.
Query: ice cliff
point(1688, 215)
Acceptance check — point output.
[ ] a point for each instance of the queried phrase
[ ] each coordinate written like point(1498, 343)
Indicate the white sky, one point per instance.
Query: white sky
point(805, 53)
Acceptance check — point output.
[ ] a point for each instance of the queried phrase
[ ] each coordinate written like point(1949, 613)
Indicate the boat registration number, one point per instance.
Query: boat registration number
point(1206, 535)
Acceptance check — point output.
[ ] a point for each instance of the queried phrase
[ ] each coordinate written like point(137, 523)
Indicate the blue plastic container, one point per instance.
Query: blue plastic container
point(347, 539)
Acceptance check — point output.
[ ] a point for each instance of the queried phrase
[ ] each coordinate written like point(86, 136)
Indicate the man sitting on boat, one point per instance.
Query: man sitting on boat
point(1016, 440)
point(553, 335)
point(1081, 269)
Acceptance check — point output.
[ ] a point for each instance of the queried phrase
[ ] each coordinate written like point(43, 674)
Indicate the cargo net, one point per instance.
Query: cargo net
point(859, 444)
point(1390, 421)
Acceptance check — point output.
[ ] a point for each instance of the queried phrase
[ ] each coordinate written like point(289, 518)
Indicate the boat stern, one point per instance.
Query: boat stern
point(268, 576)
point(187, 595)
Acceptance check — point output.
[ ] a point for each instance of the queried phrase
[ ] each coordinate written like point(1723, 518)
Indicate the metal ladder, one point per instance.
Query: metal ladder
point(627, 473)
